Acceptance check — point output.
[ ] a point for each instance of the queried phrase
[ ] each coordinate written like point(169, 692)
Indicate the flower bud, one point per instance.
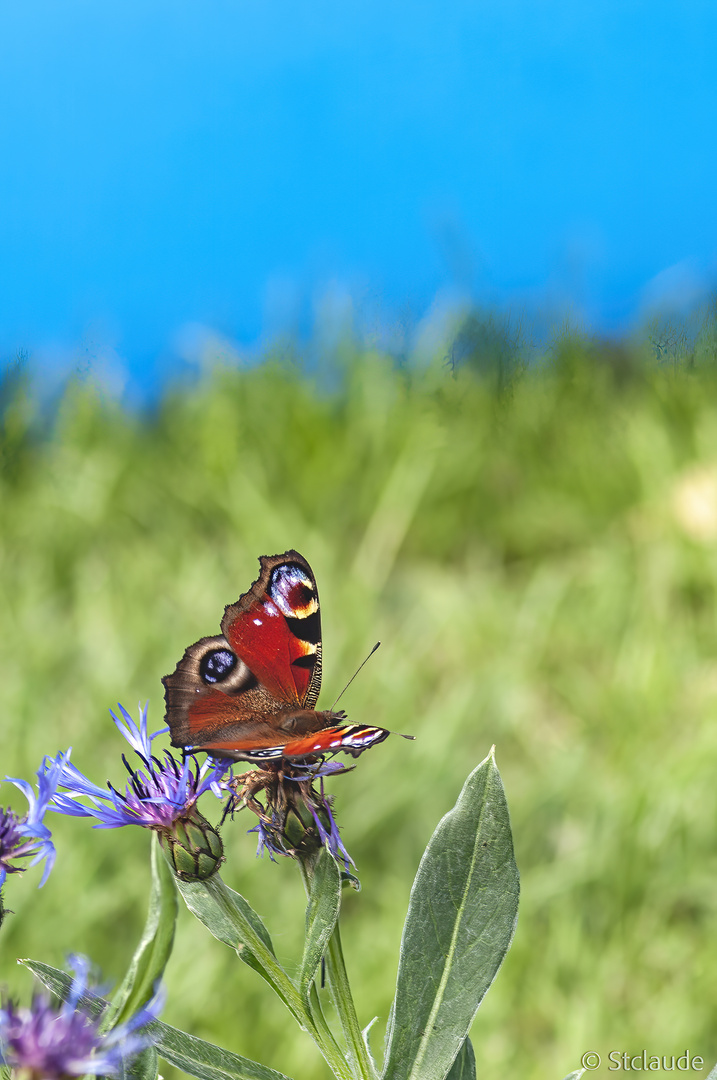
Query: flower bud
point(193, 847)
point(300, 828)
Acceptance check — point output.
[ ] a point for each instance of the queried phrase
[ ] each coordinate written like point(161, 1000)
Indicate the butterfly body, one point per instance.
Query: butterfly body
point(249, 693)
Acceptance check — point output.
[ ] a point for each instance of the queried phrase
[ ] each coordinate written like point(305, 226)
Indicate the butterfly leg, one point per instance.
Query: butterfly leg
point(246, 787)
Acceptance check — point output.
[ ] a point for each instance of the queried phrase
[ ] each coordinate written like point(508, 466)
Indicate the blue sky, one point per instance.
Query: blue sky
point(228, 163)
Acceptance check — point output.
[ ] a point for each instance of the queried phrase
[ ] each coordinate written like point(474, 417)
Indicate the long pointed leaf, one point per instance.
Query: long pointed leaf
point(464, 1067)
point(58, 982)
point(229, 917)
point(203, 1059)
point(143, 1066)
point(322, 912)
point(155, 946)
point(226, 913)
point(461, 919)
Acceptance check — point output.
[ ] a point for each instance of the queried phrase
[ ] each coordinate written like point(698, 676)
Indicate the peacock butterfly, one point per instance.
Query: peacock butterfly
point(250, 693)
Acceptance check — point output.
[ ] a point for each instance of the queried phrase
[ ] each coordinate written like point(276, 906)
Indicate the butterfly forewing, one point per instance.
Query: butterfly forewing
point(276, 629)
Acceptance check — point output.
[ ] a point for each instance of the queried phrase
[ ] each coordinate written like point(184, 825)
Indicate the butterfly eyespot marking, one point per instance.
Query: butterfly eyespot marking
point(217, 665)
point(293, 592)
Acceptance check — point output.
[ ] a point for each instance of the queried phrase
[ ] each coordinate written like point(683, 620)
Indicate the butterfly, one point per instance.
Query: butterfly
point(250, 693)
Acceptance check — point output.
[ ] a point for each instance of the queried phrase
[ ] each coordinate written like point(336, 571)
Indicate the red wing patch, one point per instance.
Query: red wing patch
point(210, 710)
point(250, 748)
point(278, 635)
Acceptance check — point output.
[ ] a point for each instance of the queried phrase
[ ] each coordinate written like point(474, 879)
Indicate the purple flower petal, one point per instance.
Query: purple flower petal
point(28, 837)
point(58, 1041)
point(155, 796)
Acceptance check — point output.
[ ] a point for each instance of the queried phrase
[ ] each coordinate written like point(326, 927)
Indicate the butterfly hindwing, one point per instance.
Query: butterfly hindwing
point(210, 690)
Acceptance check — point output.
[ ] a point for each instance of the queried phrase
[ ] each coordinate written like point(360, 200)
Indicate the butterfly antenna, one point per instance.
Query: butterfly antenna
point(338, 699)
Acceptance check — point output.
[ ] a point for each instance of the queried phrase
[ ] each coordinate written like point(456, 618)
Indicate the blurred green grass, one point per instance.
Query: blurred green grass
point(536, 546)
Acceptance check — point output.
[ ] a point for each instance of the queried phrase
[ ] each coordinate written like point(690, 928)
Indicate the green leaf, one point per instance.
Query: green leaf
point(226, 915)
point(464, 1067)
point(205, 1060)
point(365, 1035)
point(230, 919)
point(155, 946)
point(461, 919)
point(142, 1066)
point(322, 912)
point(58, 982)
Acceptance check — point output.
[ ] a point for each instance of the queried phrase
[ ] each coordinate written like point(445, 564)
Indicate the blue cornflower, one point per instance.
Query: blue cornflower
point(23, 837)
point(53, 1041)
point(155, 798)
point(162, 797)
point(295, 818)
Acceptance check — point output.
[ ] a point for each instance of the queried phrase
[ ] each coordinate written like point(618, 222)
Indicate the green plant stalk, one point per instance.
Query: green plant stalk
point(272, 971)
point(340, 990)
point(317, 1015)
point(155, 946)
point(338, 980)
point(312, 1020)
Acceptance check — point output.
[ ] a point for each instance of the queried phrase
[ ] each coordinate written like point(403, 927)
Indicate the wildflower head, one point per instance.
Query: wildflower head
point(49, 1041)
point(295, 817)
point(162, 796)
point(26, 836)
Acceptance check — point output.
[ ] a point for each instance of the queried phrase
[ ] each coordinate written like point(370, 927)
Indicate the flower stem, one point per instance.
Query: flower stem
point(324, 1030)
point(229, 918)
point(340, 988)
point(154, 949)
